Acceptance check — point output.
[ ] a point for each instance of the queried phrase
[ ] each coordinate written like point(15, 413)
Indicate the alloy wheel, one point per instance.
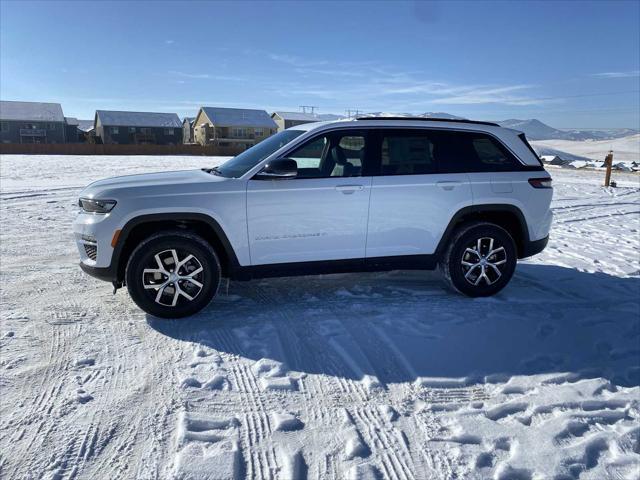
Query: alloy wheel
point(481, 261)
point(174, 276)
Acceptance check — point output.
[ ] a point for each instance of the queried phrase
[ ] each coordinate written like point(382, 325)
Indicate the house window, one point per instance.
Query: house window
point(114, 130)
point(4, 126)
point(30, 126)
point(132, 129)
point(238, 132)
point(259, 132)
point(51, 126)
point(168, 131)
point(146, 131)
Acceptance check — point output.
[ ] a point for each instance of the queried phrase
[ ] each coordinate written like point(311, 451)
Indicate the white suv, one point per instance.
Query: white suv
point(365, 195)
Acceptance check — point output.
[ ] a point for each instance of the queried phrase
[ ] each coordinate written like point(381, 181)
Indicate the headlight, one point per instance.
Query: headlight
point(92, 205)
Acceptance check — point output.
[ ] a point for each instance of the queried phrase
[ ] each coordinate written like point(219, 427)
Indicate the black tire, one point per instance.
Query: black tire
point(163, 244)
point(454, 264)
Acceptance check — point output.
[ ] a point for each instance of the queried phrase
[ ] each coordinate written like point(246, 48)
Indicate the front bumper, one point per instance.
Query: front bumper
point(105, 274)
point(93, 235)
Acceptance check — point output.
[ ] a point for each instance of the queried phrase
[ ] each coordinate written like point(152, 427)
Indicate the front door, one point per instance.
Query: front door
point(319, 215)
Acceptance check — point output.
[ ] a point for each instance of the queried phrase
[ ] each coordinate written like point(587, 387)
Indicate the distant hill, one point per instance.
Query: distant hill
point(533, 128)
point(536, 130)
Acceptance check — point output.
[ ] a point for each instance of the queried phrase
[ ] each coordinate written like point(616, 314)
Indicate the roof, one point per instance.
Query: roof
point(431, 119)
point(189, 119)
point(31, 111)
point(239, 117)
point(138, 119)
point(401, 122)
point(71, 120)
point(297, 116)
point(85, 125)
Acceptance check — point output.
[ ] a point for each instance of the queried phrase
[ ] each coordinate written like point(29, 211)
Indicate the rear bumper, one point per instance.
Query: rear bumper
point(534, 247)
point(104, 274)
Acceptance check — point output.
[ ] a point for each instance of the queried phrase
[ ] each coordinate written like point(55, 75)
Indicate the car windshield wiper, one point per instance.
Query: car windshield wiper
point(214, 171)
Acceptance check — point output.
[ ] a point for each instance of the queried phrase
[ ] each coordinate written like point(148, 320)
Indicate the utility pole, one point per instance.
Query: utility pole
point(310, 107)
point(608, 162)
point(355, 111)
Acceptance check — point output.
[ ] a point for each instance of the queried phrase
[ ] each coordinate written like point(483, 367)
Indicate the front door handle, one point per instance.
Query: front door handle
point(349, 189)
point(448, 184)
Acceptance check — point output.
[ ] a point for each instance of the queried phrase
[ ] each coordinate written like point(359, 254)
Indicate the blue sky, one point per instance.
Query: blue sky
point(569, 64)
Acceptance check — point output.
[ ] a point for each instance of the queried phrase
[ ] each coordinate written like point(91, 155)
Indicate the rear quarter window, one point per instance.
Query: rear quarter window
point(488, 155)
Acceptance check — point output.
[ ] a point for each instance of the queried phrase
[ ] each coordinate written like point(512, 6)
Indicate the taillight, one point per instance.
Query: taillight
point(541, 182)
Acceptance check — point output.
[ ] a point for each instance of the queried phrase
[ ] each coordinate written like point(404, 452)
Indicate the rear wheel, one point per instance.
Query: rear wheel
point(480, 259)
point(173, 274)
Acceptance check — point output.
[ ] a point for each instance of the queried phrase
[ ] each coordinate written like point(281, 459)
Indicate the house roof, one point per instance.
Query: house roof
point(138, 119)
point(239, 117)
point(188, 119)
point(297, 116)
point(85, 125)
point(31, 111)
point(71, 121)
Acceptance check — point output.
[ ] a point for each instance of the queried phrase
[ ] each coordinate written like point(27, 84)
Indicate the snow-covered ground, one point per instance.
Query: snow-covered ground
point(625, 149)
point(382, 375)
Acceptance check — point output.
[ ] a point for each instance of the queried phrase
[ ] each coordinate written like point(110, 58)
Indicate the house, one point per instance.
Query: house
point(187, 129)
point(137, 128)
point(232, 127)
point(31, 122)
point(286, 120)
point(72, 131)
point(86, 131)
point(86, 125)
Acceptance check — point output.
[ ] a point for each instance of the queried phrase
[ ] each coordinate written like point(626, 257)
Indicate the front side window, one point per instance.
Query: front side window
point(241, 164)
point(336, 154)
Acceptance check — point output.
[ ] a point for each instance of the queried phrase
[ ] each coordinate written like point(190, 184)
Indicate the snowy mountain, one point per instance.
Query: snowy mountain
point(625, 149)
point(536, 130)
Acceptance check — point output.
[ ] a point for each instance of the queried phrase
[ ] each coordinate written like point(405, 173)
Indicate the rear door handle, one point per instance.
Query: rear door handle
point(448, 184)
point(348, 189)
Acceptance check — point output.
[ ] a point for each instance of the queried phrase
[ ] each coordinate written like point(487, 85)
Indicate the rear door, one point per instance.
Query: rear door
point(418, 185)
point(319, 215)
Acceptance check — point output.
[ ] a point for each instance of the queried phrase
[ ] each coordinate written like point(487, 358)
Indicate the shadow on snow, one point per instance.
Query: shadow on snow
point(402, 325)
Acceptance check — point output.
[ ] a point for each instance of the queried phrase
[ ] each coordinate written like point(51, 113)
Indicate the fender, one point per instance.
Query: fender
point(116, 268)
point(485, 208)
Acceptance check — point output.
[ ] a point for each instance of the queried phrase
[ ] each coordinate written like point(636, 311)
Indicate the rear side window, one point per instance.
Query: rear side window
point(407, 154)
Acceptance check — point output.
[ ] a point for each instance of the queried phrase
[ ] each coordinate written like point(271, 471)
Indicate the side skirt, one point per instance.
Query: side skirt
point(376, 264)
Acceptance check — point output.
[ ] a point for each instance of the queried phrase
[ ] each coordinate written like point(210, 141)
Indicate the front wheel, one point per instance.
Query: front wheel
point(173, 274)
point(480, 260)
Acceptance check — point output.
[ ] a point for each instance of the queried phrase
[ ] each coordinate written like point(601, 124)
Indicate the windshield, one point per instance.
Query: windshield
point(241, 164)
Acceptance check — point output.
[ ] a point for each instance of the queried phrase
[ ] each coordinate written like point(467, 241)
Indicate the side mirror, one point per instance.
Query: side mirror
point(280, 168)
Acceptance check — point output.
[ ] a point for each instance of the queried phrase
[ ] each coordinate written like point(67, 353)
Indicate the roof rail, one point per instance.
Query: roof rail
point(432, 119)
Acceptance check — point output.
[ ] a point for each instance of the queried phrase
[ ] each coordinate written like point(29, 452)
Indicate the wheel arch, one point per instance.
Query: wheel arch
point(141, 227)
point(506, 216)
